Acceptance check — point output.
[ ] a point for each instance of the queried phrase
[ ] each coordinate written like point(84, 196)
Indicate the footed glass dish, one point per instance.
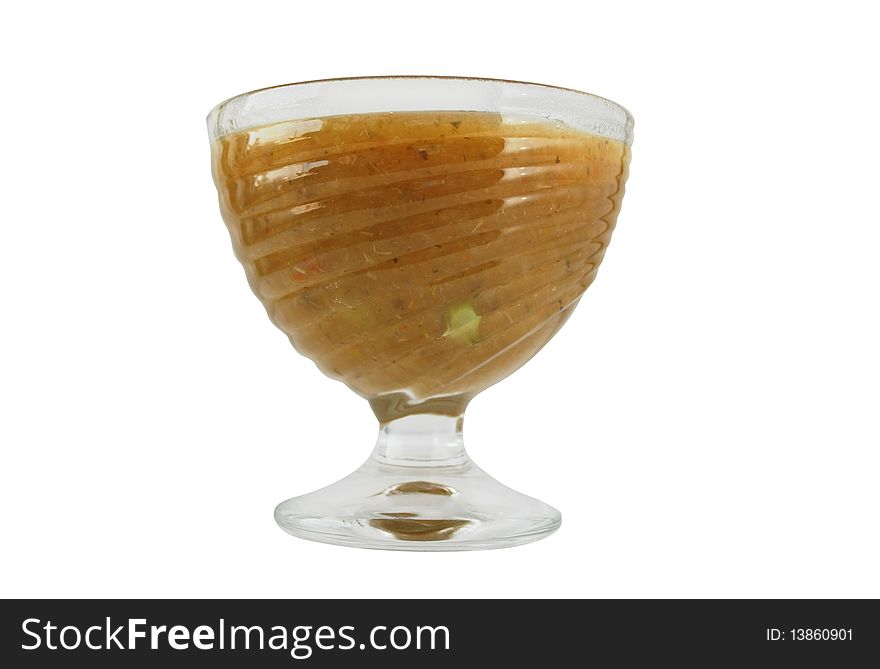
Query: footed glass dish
point(419, 238)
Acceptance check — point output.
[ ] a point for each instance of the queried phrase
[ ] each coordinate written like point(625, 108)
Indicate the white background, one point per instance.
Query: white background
point(707, 421)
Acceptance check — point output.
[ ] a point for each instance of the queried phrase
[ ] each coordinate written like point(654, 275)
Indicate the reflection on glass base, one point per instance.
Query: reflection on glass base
point(418, 508)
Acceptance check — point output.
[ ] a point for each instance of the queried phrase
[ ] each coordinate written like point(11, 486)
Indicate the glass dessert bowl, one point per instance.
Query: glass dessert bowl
point(419, 238)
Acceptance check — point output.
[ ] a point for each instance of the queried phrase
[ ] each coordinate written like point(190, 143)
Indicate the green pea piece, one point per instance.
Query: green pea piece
point(463, 323)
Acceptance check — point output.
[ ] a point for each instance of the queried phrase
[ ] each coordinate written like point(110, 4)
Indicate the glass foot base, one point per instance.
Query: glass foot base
point(412, 507)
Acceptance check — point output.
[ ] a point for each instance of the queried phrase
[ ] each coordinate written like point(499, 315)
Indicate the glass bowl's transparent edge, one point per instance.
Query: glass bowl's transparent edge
point(333, 97)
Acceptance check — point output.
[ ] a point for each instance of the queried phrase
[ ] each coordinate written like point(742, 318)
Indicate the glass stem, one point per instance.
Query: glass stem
point(421, 440)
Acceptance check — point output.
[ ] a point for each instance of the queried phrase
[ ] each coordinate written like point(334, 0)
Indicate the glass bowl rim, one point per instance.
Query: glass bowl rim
point(214, 115)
